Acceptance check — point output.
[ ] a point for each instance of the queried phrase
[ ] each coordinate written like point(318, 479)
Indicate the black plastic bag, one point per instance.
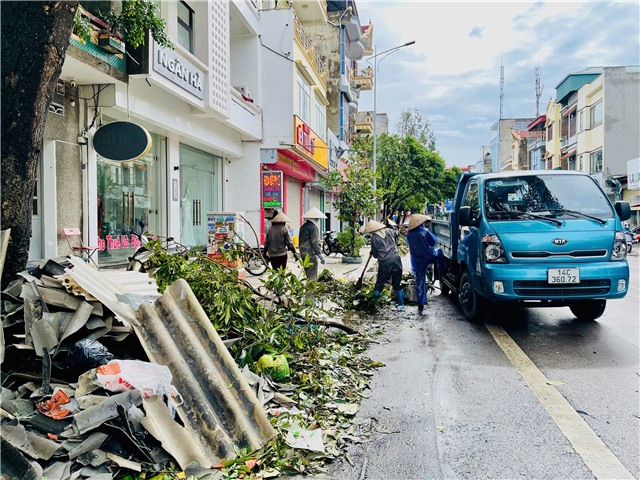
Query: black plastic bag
point(87, 354)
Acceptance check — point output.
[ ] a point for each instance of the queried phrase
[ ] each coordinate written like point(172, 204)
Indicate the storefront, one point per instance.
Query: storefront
point(129, 196)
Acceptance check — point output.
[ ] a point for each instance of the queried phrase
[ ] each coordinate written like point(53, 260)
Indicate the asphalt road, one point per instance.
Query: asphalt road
point(535, 394)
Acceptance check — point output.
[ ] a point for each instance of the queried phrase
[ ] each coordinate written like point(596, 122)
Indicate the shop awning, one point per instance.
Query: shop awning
point(570, 153)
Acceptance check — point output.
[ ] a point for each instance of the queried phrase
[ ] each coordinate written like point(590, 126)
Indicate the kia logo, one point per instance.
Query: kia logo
point(559, 241)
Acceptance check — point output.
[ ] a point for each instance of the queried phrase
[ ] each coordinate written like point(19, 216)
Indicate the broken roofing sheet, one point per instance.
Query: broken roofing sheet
point(61, 421)
point(222, 410)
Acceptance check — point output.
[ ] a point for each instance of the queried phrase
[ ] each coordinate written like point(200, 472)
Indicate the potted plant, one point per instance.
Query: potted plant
point(355, 200)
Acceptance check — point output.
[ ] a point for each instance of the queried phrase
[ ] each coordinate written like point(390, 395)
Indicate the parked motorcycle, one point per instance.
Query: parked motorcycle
point(330, 243)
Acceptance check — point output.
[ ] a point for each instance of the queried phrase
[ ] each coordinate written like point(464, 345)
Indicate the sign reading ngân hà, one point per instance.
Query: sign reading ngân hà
point(272, 184)
point(179, 70)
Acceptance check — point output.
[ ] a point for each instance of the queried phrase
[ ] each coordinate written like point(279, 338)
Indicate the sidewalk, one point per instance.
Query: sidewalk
point(348, 271)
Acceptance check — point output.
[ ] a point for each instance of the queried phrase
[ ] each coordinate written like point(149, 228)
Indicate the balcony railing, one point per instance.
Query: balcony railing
point(306, 44)
point(363, 80)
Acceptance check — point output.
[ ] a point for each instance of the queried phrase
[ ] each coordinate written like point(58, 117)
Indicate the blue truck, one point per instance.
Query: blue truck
point(543, 238)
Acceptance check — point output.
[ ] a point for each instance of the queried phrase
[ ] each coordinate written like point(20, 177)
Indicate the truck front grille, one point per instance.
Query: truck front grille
point(572, 254)
point(537, 288)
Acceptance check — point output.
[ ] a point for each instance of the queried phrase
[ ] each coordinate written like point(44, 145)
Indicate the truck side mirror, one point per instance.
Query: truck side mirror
point(465, 217)
point(623, 209)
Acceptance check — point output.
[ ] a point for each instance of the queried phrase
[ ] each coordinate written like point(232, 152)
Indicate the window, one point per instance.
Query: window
point(572, 125)
point(471, 198)
point(580, 162)
point(304, 101)
point(581, 120)
point(550, 133)
point(596, 161)
point(320, 121)
point(596, 114)
point(185, 26)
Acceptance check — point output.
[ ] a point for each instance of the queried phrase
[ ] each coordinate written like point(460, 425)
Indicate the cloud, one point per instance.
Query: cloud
point(452, 73)
point(476, 32)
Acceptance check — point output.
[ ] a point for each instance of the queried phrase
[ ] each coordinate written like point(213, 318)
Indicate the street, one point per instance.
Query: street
point(458, 400)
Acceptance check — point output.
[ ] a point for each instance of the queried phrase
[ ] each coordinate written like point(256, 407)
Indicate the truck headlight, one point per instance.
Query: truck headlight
point(619, 250)
point(492, 249)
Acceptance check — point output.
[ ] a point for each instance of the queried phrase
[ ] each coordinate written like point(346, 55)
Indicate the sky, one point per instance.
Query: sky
point(452, 73)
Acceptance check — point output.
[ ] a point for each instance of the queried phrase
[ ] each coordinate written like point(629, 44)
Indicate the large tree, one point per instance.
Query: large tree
point(410, 175)
point(35, 38)
point(413, 124)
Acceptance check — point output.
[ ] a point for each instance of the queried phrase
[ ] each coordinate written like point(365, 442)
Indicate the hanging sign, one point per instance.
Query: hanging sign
point(272, 184)
point(309, 145)
point(122, 141)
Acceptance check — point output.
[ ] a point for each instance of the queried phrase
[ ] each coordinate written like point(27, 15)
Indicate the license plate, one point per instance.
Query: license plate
point(563, 275)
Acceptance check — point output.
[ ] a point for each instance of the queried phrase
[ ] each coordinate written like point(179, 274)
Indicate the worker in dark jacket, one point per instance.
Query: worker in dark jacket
point(422, 245)
point(310, 241)
point(385, 249)
point(278, 241)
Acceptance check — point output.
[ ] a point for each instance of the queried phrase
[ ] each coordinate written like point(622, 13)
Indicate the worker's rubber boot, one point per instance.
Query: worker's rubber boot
point(400, 297)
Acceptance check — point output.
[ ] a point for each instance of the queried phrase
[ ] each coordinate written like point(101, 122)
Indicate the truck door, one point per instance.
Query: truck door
point(468, 240)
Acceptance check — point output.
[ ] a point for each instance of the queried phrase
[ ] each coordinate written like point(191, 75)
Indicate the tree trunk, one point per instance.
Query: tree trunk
point(35, 38)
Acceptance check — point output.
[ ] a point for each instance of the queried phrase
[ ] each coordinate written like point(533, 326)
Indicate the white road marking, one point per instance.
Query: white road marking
point(595, 454)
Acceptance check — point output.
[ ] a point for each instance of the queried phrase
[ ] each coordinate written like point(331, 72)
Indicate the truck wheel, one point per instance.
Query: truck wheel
point(588, 310)
point(473, 305)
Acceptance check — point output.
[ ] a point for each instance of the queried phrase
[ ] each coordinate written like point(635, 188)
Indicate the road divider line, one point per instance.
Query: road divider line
point(595, 454)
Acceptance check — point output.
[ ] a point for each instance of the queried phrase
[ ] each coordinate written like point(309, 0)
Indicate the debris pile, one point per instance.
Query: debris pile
point(102, 376)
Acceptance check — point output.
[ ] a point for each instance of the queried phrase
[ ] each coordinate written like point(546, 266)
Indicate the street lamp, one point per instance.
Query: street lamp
point(375, 111)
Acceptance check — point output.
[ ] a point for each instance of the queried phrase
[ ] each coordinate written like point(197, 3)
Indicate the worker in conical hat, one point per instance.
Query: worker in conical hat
point(384, 247)
point(278, 241)
point(310, 241)
point(422, 247)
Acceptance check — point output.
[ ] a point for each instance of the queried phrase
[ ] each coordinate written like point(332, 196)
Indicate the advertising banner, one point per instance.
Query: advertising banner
point(633, 174)
point(272, 189)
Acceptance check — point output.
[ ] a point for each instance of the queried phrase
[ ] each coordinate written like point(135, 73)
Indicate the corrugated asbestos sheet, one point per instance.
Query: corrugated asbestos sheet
point(106, 287)
point(222, 410)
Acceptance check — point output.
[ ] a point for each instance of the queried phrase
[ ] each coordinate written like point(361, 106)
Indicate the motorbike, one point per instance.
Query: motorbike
point(330, 243)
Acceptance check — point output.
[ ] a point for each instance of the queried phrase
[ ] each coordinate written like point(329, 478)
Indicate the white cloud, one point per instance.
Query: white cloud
point(452, 73)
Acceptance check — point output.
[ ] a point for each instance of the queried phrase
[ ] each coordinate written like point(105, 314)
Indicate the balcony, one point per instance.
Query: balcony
point(106, 46)
point(244, 116)
point(306, 45)
point(363, 124)
point(364, 80)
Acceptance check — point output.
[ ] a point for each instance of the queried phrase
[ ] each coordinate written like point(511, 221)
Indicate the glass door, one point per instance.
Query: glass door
point(128, 198)
point(199, 192)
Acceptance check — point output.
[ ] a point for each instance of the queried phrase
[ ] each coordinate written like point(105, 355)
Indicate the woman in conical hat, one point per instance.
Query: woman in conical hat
point(384, 247)
point(278, 241)
point(423, 254)
point(310, 241)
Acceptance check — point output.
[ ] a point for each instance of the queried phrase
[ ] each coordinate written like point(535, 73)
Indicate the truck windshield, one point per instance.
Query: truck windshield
point(550, 195)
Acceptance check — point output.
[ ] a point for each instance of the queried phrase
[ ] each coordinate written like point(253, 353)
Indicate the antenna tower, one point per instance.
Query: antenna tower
point(539, 88)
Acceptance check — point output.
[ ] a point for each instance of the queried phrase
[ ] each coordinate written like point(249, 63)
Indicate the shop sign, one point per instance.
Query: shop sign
point(179, 70)
point(308, 144)
point(122, 141)
point(272, 186)
point(117, 242)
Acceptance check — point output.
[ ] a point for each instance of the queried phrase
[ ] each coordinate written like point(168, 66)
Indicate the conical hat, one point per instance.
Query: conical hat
point(280, 218)
point(373, 226)
point(416, 220)
point(314, 213)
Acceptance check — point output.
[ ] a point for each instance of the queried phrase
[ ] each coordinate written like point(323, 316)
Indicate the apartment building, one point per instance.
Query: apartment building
point(501, 143)
point(593, 125)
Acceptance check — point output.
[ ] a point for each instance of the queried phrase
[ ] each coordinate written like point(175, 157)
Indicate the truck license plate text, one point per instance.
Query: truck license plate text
point(563, 275)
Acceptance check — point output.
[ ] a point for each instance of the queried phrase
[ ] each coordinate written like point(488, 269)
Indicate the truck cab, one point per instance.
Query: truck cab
point(535, 238)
